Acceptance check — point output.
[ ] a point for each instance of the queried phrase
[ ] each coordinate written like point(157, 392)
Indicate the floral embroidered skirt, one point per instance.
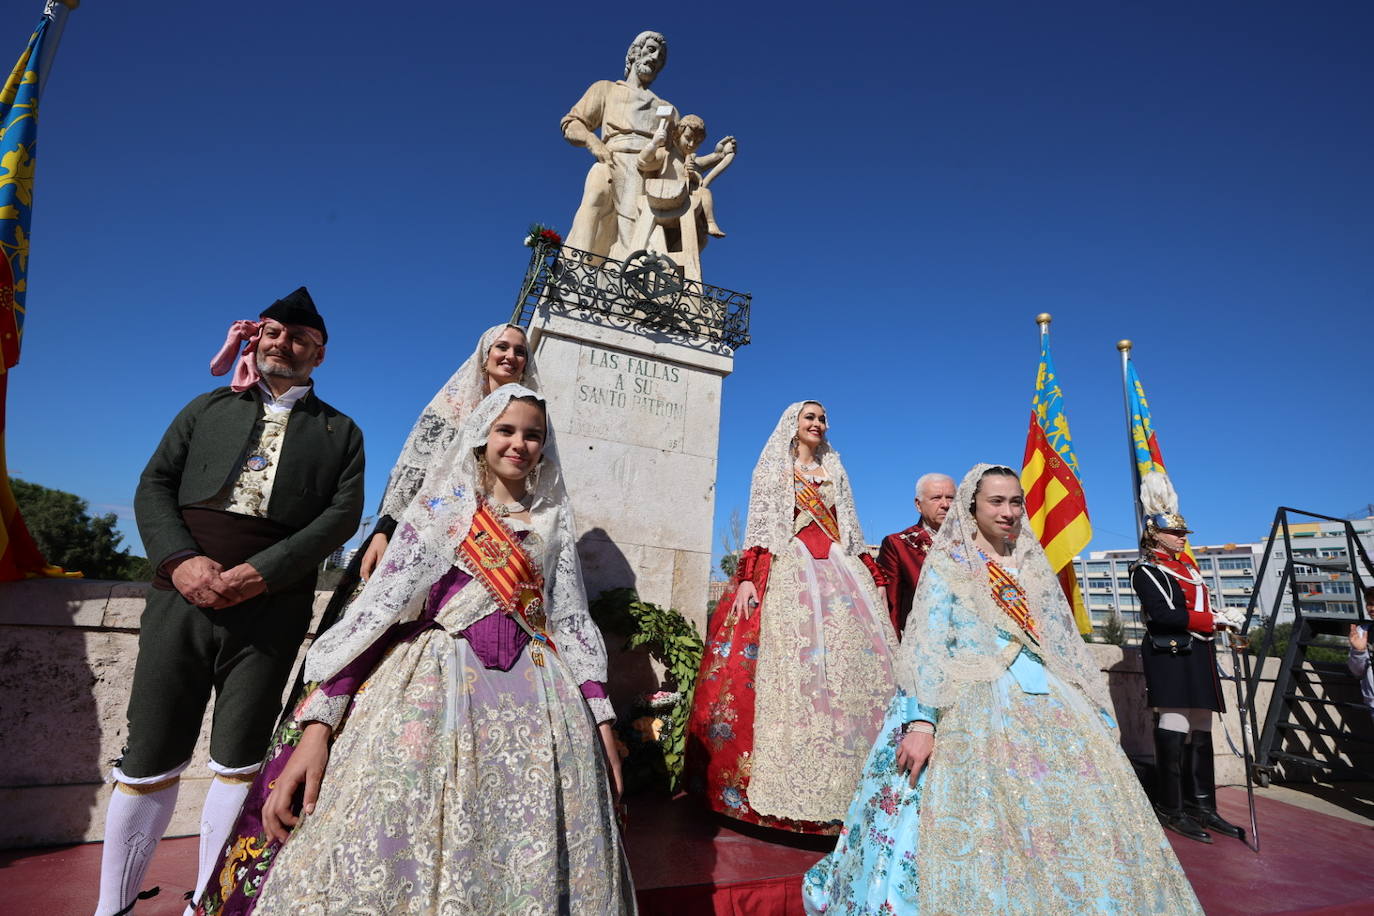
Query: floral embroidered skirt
point(1028, 806)
point(455, 788)
point(817, 702)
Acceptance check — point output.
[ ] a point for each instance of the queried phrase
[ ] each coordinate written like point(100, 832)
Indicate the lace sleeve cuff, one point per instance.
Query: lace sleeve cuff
point(321, 708)
point(601, 709)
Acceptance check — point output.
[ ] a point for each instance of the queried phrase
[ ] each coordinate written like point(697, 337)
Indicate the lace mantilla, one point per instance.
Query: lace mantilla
point(422, 551)
point(825, 647)
point(440, 421)
point(772, 497)
point(940, 654)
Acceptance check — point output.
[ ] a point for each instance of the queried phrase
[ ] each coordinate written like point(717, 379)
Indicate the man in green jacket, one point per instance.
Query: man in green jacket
point(251, 487)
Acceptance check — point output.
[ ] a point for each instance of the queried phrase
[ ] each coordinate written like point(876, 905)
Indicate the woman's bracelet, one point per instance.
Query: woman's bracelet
point(918, 725)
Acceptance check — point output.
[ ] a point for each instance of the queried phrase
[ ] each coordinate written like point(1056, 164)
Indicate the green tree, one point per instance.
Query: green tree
point(70, 537)
point(732, 542)
point(1323, 648)
point(1114, 631)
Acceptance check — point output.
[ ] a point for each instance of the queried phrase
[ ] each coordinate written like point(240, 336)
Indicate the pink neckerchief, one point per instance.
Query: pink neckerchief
point(246, 373)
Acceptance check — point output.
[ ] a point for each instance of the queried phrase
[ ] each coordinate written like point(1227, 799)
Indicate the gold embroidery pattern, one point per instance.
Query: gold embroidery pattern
point(821, 693)
point(250, 492)
point(1031, 807)
point(458, 790)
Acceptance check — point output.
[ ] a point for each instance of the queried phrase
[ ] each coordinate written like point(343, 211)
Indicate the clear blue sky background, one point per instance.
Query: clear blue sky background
point(915, 182)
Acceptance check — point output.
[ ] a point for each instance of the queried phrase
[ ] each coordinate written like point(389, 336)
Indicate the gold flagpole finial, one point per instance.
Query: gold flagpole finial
point(1043, 318)
point(1123, 345)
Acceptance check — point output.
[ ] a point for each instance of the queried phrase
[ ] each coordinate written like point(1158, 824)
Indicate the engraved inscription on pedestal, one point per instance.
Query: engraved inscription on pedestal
point(632, 398)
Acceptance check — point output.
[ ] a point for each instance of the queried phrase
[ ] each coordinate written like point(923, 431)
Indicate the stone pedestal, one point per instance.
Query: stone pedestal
point(637, 416)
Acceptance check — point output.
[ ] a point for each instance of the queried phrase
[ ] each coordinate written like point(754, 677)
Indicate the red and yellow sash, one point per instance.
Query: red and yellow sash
point(1011, 598)
point(493, 555)
point(809, 501)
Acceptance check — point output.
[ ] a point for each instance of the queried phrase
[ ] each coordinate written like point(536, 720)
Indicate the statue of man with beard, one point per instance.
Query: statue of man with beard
point(627, 114)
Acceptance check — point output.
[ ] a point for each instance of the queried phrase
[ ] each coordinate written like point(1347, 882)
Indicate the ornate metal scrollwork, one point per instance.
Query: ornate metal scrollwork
point(646, 289)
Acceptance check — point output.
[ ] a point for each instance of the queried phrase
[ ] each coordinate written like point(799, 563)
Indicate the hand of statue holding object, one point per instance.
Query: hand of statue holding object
point(612, 759)
point(727, 146)
point(914, 753)
point(372, 556)
point(746, 599)
point(1359, 638)
point(306, 767)
point(660, 137)
point(198, 580)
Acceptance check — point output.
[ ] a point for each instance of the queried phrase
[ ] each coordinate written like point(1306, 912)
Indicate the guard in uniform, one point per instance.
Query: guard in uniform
point(1179, 657)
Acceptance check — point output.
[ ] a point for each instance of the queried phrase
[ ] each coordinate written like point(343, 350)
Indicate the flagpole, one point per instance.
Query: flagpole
point(56, 12)
point(1125, 347)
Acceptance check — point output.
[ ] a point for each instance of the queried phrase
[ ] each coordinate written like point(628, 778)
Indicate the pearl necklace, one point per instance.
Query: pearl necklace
point(813, 466)
point(501, 510)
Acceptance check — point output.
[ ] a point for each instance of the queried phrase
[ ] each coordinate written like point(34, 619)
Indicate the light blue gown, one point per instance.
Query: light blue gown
point(1027, 806)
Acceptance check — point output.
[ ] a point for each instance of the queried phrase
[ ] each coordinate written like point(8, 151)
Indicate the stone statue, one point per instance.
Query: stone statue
point(648, 187)
point(627, 114)
point(677, 211)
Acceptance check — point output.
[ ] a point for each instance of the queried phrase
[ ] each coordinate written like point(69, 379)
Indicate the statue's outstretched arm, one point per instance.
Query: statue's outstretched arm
point(721, 159)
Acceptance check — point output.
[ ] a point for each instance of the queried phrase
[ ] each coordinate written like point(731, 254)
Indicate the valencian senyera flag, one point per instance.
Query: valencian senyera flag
point(1056, 509)
point(19, 556)
point(1147, 454)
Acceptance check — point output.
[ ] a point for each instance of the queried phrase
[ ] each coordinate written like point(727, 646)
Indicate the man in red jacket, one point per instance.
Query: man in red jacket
point(903, 553)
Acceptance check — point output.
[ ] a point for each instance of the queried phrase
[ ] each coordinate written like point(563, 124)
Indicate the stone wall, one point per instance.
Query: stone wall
point(67, 650)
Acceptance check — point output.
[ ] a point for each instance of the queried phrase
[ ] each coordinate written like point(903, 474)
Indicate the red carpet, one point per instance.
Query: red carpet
point(685, 862)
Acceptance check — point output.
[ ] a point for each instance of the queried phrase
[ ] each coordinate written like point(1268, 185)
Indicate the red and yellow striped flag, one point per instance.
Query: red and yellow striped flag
point(1056, 509)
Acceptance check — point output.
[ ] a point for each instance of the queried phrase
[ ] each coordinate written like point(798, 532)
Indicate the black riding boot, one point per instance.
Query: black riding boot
point(1200, 787)
point(1169, 788)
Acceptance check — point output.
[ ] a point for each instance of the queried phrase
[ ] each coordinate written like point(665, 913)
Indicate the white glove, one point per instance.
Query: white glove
point(1232, 617)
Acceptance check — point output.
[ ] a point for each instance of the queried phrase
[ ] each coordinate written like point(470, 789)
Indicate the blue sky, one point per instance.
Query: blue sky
point(915, 182)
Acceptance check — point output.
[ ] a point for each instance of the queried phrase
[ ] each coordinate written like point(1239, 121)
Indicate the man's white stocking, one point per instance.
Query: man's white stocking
point(137, 818)
point(222, 803)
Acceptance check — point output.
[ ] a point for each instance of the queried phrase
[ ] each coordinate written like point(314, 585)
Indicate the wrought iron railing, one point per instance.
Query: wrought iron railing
point(645, 289)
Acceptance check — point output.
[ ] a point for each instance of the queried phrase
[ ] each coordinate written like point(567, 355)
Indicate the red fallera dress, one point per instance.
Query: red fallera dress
point(721, 730)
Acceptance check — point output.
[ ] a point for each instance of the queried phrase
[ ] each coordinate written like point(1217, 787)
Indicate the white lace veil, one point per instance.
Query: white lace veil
point(945, 647)
point(432, 527)
point(772, 497)
point(438, 424)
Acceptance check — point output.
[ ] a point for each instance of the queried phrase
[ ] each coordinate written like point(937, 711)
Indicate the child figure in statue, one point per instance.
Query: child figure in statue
point(677, 184)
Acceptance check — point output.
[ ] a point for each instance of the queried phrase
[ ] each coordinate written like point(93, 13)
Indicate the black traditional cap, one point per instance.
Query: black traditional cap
point(297, 308)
